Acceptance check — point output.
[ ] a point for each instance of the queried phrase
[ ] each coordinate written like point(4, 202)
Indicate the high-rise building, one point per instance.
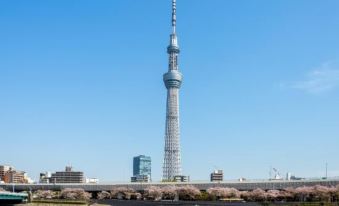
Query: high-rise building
point(3, 170)
point(13, 176)
point(8, 174)
point(172, 80)
point(142, 169)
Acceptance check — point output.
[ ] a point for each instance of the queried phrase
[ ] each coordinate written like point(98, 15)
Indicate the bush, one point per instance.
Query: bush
point(204, 196)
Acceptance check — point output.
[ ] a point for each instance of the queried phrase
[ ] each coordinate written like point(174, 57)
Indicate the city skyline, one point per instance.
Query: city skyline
point(79, 84)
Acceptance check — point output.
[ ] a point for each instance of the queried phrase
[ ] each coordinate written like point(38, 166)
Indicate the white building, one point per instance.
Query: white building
point(92, 180)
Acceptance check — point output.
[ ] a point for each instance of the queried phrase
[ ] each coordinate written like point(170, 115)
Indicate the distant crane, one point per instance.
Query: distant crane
point(277, 175)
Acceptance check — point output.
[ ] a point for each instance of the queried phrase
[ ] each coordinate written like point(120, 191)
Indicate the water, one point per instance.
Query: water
point(179, 203)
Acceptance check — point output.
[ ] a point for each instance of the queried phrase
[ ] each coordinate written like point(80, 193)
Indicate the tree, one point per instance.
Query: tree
point(304, 193)
point(188, 192)
point(122, 193)
point(153, 193)
point(273, 195)
point(45, 194)
point(333, 193)
point(232, 193)
point(222, 192)
point(217, 192)
point(74, 194)
point(322, 193)
point(289, 194)
point(245, 195)
point(104, 195)
point(169, 193)
point(257, 195)
point(336, 196)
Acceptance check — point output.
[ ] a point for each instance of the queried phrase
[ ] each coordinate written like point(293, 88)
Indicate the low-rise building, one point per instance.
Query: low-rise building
point(217, 176)
point(92, 180)
point(67, 176)
point(45, 177)
point(141, 178)
point(181, 178)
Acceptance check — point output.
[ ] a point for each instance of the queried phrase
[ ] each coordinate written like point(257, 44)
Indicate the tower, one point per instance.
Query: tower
point(172, 80)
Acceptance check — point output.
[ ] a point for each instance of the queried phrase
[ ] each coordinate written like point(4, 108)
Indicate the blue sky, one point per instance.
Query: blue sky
point(81, 84)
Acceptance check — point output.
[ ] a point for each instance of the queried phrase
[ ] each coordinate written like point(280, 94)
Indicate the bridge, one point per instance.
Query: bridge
point(245, 185)
point(12, 198)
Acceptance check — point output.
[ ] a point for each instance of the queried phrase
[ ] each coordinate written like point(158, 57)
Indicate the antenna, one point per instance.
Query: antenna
point(270, 173)
point(174, 15)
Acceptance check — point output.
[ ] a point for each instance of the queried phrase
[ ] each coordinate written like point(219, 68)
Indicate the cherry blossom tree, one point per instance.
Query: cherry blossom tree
point(232, 193)
point(153, 193)
point(122, 193)
point(245, 195)
point(45, 194)
point(104, 195)
point(169, 193)
point(290, 194)
point(74, 194)
point(336, 195)
point(188, 192)
point(273, 195)
point(304, 193)
point(257, 195)
point(217, 192)
point(322, 193)
point(333, 193)
point(222, 192)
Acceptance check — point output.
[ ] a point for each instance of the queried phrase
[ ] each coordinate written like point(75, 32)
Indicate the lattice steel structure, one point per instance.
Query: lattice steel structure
point(172, 80)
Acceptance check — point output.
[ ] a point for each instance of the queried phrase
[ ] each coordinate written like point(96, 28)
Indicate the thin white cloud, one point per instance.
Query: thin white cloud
point(322, 79)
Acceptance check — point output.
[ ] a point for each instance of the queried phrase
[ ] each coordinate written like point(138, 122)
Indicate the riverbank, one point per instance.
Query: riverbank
point(177, 203)
point(168, 203)
point(57, 204)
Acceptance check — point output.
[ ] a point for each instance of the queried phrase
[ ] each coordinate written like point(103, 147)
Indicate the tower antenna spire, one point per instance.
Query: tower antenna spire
point(174, 15)
point(172, 80)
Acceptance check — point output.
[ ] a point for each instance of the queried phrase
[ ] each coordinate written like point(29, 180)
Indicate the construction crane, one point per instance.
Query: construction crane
point(277, 175)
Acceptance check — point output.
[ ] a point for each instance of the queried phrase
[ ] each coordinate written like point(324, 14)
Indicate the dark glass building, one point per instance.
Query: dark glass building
point(141, 169)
